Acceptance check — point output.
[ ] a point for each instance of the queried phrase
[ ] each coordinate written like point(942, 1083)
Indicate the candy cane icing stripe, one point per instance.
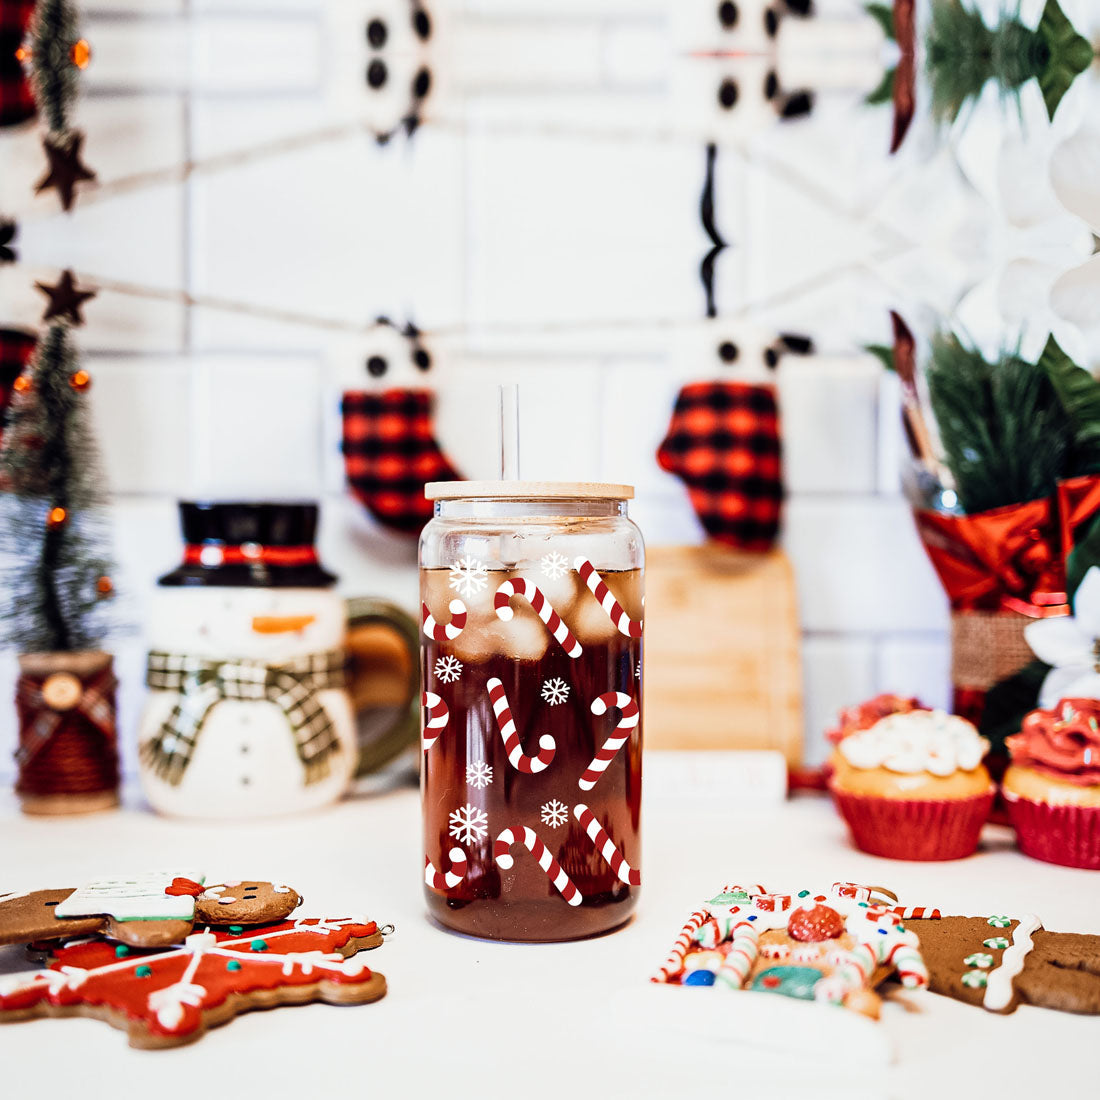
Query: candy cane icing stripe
point(674, 963)
point(916, 912)
point(436, 717)
point(520, 586)
point(449, 879)
point(605, 845)
point(444, 632)
point(611, 746)
point(562, 882)
point(529, 765)
point(624, 624)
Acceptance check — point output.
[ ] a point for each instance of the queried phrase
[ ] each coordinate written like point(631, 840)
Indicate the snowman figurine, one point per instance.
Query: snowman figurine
point(247, 714)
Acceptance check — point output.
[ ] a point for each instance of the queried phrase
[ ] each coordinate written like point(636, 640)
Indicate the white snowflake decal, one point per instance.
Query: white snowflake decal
point(479, 774)
point(554, 565)
point(555, 691)
point(469, 824)
point(555, 813)
point(448, 669)
point(468, 577)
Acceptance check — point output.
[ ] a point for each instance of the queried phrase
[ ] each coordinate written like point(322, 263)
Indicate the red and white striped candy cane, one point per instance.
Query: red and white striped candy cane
point(562, 882)
point(905, 955)
point(611, 746)
point(529, 765)
point(852, 971)
point(916, 912)
point(448, 880)
point(742, 954)
point(624, 624)
point(436, 717)
point(520, 586)
point(674, 963)
point(444, 632)
point(605, 845)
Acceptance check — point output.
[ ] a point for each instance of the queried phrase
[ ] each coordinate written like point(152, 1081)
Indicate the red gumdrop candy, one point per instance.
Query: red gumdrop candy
point(815, 924)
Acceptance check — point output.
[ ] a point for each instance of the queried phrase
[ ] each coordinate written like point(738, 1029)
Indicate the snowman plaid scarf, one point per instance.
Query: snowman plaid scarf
point(202, 684)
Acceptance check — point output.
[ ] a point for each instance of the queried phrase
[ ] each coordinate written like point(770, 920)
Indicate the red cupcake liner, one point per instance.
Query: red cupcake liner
point(914, 829)
point(1067, 835)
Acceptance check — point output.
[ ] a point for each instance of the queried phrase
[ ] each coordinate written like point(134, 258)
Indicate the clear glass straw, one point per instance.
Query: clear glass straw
point(509, 431)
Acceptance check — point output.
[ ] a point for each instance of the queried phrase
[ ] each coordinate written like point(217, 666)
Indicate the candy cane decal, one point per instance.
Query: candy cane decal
point(449, 879)
point(605, 845)
point(436, 717)
point(611, 746)
point(444, 632)
point(742, 954)
point(520, 586)
point(674, 963)
point(562, 882)
point(624, 624)
point(529, 765)
point(916, 912)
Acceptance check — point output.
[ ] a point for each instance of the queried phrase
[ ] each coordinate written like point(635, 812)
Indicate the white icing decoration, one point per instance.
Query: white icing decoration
point(998, 993)
point(919, 740)
point(140, 897)
point(226, 901)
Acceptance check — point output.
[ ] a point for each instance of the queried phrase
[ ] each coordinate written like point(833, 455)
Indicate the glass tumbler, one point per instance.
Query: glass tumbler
point(531, 606)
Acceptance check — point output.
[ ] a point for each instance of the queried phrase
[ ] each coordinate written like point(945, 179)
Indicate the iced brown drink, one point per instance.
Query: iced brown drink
point(532, 655)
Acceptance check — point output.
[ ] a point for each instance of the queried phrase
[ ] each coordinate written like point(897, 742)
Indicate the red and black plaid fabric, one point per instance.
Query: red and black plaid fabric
point(16, 349)
point(723, 442)
point(389, 454)
point(16, 97)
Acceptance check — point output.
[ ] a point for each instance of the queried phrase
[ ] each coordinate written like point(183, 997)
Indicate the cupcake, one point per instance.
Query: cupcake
point(913, 786)
point(1052, 787)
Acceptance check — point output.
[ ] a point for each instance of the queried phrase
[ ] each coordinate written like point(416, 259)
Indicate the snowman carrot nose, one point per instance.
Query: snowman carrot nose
point(280, 624)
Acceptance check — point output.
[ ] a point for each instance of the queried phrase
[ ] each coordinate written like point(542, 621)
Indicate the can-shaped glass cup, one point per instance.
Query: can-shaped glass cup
point(532, 600)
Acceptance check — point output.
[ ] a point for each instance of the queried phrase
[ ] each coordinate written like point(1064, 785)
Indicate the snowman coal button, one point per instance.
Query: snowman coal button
point(62, 691)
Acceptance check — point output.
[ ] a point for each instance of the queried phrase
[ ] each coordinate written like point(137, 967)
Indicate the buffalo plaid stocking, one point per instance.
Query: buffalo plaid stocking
point(390, 453)
point(723, 442)
point(16, 97)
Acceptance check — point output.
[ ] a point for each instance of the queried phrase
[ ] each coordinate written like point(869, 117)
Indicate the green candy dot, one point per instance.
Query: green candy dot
point(258, 945)
point(864, 905)
point(121, 951)
point(232, 965)
point(803, 893)
point(143, 972)
point(236, 929)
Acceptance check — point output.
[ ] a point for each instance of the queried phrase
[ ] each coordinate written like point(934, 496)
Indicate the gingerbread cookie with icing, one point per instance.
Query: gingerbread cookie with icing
point(147, 910)
point(833, 948)
point(171, 995)
point(999, 962)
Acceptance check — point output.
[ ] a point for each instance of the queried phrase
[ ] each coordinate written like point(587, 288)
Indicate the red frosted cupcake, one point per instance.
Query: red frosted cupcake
point(1052, 788)
point(913, 786)
point(864, 715)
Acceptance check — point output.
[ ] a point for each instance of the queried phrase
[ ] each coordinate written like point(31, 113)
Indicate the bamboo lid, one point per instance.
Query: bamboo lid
point(533, 490)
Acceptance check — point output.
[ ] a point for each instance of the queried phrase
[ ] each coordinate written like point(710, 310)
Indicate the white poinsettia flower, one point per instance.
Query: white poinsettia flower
point(1071, 644)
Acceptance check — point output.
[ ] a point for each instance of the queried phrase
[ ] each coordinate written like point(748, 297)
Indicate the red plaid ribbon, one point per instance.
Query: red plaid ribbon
point(16, 97)
point(390, 453)
point(723, 442)
point(97, 705)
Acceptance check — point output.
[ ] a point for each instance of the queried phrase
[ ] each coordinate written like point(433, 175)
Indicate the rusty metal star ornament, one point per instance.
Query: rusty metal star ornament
point(65, 299)
point(66, 168)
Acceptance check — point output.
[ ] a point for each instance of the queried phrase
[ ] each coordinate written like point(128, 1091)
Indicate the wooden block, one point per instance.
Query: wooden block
point(722, 661)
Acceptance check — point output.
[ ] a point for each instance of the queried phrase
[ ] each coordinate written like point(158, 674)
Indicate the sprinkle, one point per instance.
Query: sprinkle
point(752, 916)
point(882, 931)
point(236, 929)
point(143, 972)
point(233, 964)
point(121, 951)
point(803, 893)
point(864, 905)
point(258, 945)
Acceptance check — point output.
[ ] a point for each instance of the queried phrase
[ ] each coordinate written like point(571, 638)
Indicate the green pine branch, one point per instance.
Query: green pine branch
point(54, 29)
point(48, 461)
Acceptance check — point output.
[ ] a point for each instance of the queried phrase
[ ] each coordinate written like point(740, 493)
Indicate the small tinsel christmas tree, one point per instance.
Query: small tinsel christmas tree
point(57, 575)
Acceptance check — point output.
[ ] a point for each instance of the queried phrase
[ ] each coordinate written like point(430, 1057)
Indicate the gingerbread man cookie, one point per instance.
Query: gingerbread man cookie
point(169, 996)
point(147, 910)
point(999, 962)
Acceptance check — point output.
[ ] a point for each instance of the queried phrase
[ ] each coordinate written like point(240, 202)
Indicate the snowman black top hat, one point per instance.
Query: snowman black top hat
point(240, 544)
